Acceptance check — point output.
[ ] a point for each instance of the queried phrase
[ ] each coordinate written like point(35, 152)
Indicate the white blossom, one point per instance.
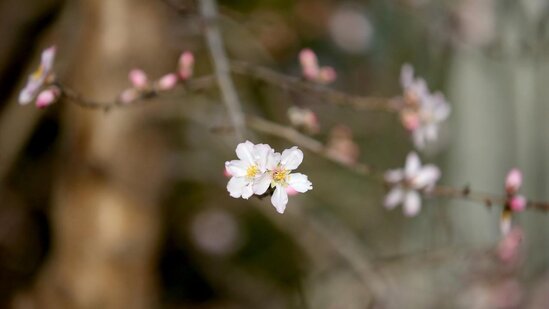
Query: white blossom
point(39, 77)
point(407, 183)
point(249, 173)
point(259, 168)
point(423, 111)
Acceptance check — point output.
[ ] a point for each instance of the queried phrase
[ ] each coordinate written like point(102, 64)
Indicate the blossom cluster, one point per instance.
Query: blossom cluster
point(261, 170)
point(141, 85)
point(423, 111)
point(40, 85)
point(407, 184)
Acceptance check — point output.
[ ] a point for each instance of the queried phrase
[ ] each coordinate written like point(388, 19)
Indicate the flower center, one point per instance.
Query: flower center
point(252, 171)
point(279, 176)
point(38, 73)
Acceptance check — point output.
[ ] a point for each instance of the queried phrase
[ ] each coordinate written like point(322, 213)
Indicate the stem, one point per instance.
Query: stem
point(208, 10)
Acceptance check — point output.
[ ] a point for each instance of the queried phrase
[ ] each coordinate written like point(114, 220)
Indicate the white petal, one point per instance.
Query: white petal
point(27, 94)
point(48, 55)
point(244, 151)
point(406, 75)
point(247, 191)
point(393, 198)
point(412, 164)
point(412, 203)
point(291, 158)
point(279, 199)
point(236, 185)
point(394, 176)
point(236, 167)
point(299, 182)
point(273, 160)
point(261, 154)
point(426, 177)
point(261, 184)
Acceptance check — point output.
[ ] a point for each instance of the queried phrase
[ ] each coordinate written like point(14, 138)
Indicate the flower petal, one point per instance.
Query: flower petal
point(244, 151)
point(418, 136)
point(261, 184)
point(279, 199)
point(394, 176)
point(299, 182)
point(247, 191)
point(413, 164)
point(236, 168)
point(393, 198)
point(273, 160)
point(47, 58)
point(261, 154)
point(291, 158)
point(412, 203)
point(236, 185)
point(426, 177)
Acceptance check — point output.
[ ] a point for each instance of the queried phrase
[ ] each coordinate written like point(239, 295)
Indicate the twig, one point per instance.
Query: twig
point(208, 10)
point(324, 93)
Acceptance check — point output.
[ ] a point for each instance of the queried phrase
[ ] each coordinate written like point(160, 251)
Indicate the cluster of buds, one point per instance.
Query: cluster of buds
point(40, 85)
point(407, 184)
point(514, 202)
point(142, 87)
point(304, 118)
point(312, 71)
point(423, 111)
point(261, 170)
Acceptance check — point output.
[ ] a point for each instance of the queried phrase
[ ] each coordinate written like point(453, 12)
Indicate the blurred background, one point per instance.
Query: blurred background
point(128, 208)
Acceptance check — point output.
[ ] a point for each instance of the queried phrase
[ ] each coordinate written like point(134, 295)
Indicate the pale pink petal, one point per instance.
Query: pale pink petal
point(327, 75)
point(261, 184)
point(291, 158)
point(426, 177)
point(394, 176)
point(129, 95)
point(412, 203)
point(244, 151)
point(393, 198)
point(167, 82)
point(413, 164)
point(48, 56)
point(236, 168)
point(47, 97)
point(261, 155)
point(27, 94)
point(138, 78)
point(186, 65)
point(406, 75)
point(299, 182)
point(309, 64)
point(279, 199)
point(505, 224)
point(291, 191)
point(418, 136)
point(513, 180)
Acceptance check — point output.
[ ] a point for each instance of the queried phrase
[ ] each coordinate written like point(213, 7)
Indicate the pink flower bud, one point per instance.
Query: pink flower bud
point(138, 78)
point(518, 203)
point(327, 75)
point(47, 97)
point(410, 120)
point(186, 65)
point(227, 173)
point(291, 191)
point(513, 181)
point(129, 95)
point(309, 64)
point(167, 82)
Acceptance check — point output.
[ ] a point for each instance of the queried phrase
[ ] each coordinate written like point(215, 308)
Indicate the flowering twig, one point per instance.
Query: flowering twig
point(72, 95)
point(320, 91)
point(208, 10)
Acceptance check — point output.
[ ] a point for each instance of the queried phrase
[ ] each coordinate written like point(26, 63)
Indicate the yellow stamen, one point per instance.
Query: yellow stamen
point(38, 73)
point(252, 171)
point(280, 175)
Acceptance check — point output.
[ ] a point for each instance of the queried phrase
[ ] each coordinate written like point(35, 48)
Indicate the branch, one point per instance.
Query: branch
point(208, 10)
point(319, 91)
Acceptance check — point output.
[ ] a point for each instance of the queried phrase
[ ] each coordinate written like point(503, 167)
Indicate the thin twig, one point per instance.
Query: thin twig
point(208, 10)
point(322, 92)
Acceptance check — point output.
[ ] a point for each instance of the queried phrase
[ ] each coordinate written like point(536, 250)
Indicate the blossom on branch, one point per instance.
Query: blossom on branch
point(514, 202)
point(261, 170)
point(312, 71)
point(423, 111)
point(43, 76)
point(407, 184)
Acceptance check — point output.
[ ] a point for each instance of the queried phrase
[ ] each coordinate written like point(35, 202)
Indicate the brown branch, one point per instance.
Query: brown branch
point(319, 91)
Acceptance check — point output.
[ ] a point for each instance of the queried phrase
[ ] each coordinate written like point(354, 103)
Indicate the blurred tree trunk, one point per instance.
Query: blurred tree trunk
point(105, 213)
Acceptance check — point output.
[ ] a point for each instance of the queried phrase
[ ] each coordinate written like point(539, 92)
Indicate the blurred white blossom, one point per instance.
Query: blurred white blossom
point(312, 71)
point(350, 29)
point(42, 76)
point(407, 183)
